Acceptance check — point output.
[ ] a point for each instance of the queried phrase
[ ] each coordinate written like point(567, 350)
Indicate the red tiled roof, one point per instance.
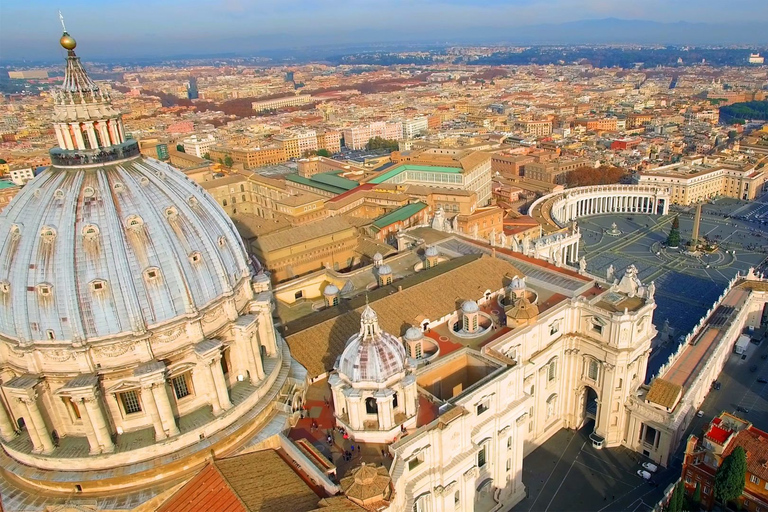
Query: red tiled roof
point(208, 490)
point(718, 434)
point(755, 443)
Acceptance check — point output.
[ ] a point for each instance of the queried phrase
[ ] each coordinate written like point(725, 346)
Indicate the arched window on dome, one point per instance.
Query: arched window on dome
point(371, 407)
point(90, 231)
point(195, 257)
point(48, 234)
point(134, 222)
point(394, 401)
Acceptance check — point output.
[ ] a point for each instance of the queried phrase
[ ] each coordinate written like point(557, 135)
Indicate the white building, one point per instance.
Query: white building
point(357, 137)
point(198, 145)
point(22, 175)
point(415, 127)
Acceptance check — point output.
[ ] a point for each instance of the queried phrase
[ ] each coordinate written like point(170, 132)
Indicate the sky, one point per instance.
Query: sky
point(29, 29)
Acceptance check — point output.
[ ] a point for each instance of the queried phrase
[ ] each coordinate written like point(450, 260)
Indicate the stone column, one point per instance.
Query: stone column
point(410, 398)
point(45, 443)
point(7, 428)
point(353, 409)
point(91, 135)
point(79, 142)
point(60, 136)
point(160, 393)
point(266, 329)
point(385, 415)
point(112, 131)
point(148, 401)
point(255, 355)
point(120, 131)
point(93, 442)
point(104, 133)
point(220, 384)
point(99, 424)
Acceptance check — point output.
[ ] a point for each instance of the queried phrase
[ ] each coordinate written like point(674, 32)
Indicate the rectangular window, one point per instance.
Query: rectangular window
point(754, 479)
point(552, 371)
point(482, 407)
point(593, 369)
point(180, 386)
point(72, 406)
point(130, 401)
point(415, 462)
point(481, 457)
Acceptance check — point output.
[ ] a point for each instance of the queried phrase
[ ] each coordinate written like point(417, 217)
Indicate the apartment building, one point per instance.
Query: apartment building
point(554, 171)
point(535, 128)
point(358, 136)
point(250, 158)
point(415, 127)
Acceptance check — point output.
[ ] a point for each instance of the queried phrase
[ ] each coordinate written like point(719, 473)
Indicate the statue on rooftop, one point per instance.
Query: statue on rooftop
point(651, 291)
point(526, 244)
point(610, 274)
point(492, 237)
point(583, 265)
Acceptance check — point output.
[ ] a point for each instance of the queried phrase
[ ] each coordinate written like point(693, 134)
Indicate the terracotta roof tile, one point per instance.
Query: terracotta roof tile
point(208, 490)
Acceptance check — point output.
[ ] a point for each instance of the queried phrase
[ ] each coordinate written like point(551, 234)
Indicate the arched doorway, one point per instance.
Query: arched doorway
point(588, 406)
point(484, 496)
point(371, 407)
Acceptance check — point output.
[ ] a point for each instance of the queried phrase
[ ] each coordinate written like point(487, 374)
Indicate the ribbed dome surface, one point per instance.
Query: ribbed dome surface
point(90, 252)
point(372, 355)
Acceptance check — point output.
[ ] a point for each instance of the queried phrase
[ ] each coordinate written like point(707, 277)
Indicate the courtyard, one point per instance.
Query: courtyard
point(686, 286)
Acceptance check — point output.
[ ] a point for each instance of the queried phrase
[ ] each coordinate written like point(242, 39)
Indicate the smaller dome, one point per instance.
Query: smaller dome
point(518, 283)
point(470, 306)
point(523, 310)
point(413, 334)
point(262, 278)
point(384, 270)
point(431, 251)
point(378, 257)
point(331, 289)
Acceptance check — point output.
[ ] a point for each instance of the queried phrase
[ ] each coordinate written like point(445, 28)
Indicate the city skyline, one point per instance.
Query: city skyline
point(243, 27)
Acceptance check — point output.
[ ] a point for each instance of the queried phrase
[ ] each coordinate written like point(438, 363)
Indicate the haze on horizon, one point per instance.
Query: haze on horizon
point(111, 28)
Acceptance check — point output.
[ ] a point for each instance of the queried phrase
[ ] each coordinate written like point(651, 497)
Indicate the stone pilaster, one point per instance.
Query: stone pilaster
point(386, 415)
point(220, 384)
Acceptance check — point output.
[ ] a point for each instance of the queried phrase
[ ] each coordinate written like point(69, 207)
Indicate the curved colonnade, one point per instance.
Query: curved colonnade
point(558, 209)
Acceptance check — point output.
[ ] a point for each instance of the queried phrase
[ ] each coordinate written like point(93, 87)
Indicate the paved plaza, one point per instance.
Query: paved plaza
point(686, 286)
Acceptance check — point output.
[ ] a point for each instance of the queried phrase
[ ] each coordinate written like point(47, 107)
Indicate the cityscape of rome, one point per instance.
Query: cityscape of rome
point(403, 256)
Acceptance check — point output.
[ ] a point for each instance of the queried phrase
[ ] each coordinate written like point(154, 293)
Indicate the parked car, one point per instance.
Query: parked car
point(717, 386)
point(650, 466)
point(643, 474)
point(744, 356)
point(742, 409)
point(753, 368)
point(762, 380)
point(700, 414)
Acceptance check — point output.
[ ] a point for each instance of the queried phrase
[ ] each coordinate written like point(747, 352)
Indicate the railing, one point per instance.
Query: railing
point(77, 157)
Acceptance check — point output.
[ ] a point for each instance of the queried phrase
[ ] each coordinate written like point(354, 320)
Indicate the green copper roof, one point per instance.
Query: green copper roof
point(316, 184)
point(401, 214)
point(6, 184)
point(329, 178)
point(408, 167)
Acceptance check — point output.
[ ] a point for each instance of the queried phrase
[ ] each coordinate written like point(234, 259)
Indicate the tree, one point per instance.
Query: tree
point(673, 240)
point(228, 161)
point(207, 156)
point(323, 152)
point(2, 161)
point(677, 501)
point(696, 498)
point(380, 143)
point(729, 478)
point(180, 148)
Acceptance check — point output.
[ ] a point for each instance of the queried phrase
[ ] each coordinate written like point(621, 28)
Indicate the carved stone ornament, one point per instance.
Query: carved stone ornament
point(57, 355)
point(116, 349)
point(449, 486)
point(439, 490)
point(212, 316)
point(521, 419)
point(168, 336)
point(471, 473)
